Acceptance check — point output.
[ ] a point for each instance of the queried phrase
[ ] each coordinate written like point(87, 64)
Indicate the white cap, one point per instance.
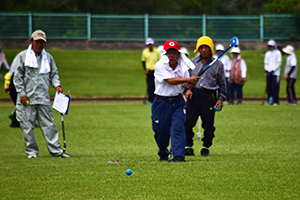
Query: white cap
point(235, 50)
point(160, 48)
point(184, 50)
point(219, 47)
point(271, 43)
point(289, 49)
point(149, 41)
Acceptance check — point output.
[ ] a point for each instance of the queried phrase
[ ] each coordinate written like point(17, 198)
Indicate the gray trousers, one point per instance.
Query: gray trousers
point(27, 115)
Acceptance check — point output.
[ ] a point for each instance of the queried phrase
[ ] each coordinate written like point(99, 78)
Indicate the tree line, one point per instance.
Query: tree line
point(163, 7)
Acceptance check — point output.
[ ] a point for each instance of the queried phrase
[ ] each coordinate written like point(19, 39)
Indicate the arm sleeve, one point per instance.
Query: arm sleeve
point(244, 69)
point(161, 73)
point(222, 84)
point(291, 71)
point(19, 76)
point(144, 65)
point(266, 61)
point(54, 78)
point(278, 61)
point(7, 78)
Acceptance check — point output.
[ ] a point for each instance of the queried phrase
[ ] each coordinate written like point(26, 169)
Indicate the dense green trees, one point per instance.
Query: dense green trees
point(184, 7)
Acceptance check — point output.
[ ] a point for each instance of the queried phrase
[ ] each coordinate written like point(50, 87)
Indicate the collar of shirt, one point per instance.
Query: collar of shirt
point(210, 60)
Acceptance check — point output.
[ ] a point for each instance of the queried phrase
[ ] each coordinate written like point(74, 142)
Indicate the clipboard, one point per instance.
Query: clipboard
point(61, 103)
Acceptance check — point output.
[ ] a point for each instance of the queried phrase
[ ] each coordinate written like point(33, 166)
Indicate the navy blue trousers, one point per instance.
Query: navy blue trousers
point(236, 88)
point(168, 122)
point(273, 88)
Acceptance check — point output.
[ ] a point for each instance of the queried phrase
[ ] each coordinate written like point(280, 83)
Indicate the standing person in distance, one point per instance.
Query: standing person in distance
point(150, 56)
point(34, 70)
point(272, 62)
point(237, 75)
point(9, 87)
point(168, 109)
point(207, 94)
point(290, 74)
point(185, 51)
point(3, 62)
point(226, 62)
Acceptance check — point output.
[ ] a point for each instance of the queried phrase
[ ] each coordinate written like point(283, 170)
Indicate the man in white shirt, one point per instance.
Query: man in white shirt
point(168, 109)
point(272, 68)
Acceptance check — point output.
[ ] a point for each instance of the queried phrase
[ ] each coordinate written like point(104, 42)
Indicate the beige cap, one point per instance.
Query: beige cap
point(39, 35)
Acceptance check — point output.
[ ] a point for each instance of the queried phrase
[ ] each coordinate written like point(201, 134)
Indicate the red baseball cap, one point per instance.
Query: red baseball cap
point(170, 44)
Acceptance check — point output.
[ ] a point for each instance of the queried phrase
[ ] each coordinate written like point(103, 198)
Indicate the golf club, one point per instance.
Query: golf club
point(234, 43)
point(63, 128)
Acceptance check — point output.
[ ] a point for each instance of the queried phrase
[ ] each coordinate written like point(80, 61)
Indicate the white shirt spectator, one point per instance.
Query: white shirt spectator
point(273, 61)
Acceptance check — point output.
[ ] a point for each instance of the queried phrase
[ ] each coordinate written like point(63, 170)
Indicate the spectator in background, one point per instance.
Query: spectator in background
point(185, 51)
point(150, 56)
point(10, 88)
point(272, 63)
point(290, 74)
point(3, 62)
point(35, 69)
point(237, 75)
point(160, 48)
point(168, 109)
point(207, 94)
point(226, 63)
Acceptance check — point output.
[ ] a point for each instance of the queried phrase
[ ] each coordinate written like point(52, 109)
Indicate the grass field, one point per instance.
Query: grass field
point(119, 73)
point(255, 155)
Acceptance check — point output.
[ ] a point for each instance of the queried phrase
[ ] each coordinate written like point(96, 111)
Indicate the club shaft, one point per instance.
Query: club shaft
point(210, 64)
point(63, 129)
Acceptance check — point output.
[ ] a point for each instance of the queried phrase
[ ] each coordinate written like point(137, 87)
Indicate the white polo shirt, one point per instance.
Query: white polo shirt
point(164, 71)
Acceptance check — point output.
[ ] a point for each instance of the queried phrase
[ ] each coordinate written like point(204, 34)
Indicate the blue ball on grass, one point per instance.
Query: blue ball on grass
point(128, 172)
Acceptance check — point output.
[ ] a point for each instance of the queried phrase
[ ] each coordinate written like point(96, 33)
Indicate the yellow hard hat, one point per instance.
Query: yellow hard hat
point(205, 40)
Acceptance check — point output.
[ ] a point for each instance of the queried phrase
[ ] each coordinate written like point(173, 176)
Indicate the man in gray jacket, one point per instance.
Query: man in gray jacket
point(34, 70)
point(206, 96)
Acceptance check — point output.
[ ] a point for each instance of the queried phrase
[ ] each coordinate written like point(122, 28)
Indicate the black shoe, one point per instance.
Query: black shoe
point(14, 126)
point(163, 159)
point(204, 152)
point(239, 103)
point(189, 152)
point(177, 159)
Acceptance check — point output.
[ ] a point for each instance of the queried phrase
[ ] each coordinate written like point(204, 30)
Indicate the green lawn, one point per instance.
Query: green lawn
point(119, 73)
point(255, 155)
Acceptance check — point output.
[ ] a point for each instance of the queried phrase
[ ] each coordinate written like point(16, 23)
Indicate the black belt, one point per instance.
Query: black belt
point(170, 100)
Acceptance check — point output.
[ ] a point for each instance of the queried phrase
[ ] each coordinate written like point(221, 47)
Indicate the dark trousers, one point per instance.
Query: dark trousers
point(168, 122)
point(290, 90)
point(150, 85)
point(13, 95)
point(273, 87)
point(202, 103)
point(236, 88)
point(228, 88)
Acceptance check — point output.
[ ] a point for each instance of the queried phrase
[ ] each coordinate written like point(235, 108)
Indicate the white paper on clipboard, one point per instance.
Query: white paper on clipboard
point(61, 103)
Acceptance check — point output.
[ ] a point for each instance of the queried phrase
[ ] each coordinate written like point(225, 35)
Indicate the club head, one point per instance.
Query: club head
point(235, 41)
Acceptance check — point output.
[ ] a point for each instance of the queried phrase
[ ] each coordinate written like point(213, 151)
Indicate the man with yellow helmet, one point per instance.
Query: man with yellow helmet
point(206, 96)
